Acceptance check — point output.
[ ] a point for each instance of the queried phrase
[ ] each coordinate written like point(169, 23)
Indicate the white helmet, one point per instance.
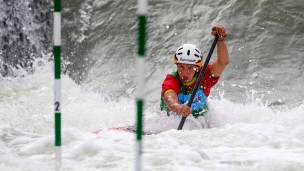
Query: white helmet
point(188, 54)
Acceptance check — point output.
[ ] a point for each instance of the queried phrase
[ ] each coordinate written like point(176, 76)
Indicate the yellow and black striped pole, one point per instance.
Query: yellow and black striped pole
point(57, 89)
point(142, 20)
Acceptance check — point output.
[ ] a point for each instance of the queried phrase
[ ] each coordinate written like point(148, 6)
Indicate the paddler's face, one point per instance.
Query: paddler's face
point(186, 71)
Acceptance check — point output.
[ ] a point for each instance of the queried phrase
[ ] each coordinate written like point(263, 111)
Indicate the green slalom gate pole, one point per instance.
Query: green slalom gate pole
point(142, 20)
point(57, 89)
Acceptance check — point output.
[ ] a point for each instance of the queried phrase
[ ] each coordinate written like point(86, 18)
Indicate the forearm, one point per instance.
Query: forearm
point(222, 53)
point(222, 60)
point(171, 100)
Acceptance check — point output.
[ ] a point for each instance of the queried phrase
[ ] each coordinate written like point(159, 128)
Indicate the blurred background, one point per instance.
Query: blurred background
point(265, 42)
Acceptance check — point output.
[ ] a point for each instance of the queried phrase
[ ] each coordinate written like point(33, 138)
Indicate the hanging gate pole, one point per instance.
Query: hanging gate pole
point(57, 89)
point(141, 38)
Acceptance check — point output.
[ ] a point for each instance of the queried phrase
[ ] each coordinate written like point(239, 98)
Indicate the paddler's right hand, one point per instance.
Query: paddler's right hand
point(182, 109)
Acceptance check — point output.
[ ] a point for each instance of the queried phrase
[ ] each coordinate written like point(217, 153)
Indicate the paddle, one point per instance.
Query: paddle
point(181, 124)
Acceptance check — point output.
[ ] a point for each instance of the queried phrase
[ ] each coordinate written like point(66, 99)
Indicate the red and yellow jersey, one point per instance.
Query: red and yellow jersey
point(172, 83)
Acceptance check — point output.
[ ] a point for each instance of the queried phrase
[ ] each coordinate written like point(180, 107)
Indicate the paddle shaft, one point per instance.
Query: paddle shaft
point(181, 124)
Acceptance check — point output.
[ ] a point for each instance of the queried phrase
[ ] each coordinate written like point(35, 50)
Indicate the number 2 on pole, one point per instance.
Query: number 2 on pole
point(57, 104)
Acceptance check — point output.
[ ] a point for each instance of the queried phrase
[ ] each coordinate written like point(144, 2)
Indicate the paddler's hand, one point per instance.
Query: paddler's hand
point(183, 110)
point(220, 31)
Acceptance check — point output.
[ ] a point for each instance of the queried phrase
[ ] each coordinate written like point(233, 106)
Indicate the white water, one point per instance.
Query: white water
point(248, 136)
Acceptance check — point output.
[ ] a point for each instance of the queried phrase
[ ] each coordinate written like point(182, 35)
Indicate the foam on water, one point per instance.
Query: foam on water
point(249, 136)
point(247, 133)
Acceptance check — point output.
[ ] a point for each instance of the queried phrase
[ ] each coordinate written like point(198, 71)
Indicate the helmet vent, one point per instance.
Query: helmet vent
point(180, 53)
point(188, 53)
point(180, 48)
point(196, 55)
point(197, 50)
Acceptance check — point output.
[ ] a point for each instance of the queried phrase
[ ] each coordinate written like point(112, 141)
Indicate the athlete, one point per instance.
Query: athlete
point(177, 87)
